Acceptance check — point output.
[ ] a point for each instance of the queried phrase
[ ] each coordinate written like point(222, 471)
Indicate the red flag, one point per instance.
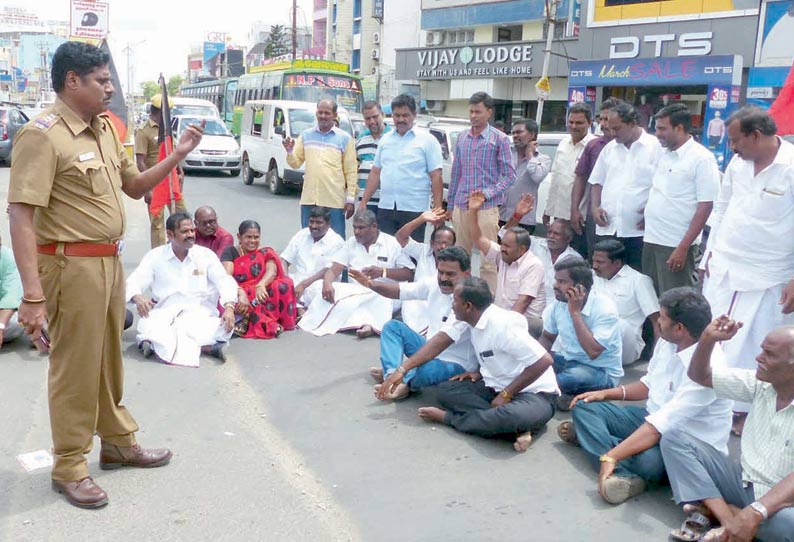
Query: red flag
point(782, 109)
point(117, 110)
point(168, 191)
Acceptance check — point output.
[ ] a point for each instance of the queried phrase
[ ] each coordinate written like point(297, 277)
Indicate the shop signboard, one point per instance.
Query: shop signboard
point(513, 59)
point(89, 19)
point(628, 12)
point(720, 69)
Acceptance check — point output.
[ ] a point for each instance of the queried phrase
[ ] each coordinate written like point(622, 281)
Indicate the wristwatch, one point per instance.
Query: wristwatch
point(760, 508)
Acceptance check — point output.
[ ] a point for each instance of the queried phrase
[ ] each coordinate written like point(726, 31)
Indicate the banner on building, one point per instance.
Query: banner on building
point(627, 12)
point(775, 45)
point(89, 20)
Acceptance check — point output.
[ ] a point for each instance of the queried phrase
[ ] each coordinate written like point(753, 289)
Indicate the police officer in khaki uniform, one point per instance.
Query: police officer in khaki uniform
point(67, 223)
point(147, 153)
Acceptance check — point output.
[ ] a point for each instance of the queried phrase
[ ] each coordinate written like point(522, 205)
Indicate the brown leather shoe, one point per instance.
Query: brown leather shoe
point(115, 457)
point(82, 493)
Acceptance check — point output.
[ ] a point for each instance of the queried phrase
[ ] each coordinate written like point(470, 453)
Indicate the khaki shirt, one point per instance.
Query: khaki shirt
point(146, 143)
point(72, 173)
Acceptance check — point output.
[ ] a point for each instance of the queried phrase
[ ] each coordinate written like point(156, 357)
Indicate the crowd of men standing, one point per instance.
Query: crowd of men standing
point(505, 349)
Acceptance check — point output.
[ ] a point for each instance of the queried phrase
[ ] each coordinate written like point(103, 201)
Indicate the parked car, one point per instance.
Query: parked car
point(218, 150)
point(357, 120)
point(264, 125)
point(11, 120)
point(181, 106)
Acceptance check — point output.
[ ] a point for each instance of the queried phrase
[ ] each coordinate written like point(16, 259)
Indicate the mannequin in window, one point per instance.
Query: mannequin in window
point(645, 110)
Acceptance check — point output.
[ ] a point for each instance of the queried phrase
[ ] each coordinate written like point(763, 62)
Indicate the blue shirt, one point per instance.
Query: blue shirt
point(405, 163)
point(601, 316)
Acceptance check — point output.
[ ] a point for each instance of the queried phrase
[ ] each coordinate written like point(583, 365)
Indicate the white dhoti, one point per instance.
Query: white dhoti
point(178, 333)
point(760, 313)
point(314, 290)
point(632, 341)
point(354, 306)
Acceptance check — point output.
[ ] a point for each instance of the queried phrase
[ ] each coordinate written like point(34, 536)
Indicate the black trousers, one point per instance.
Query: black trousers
point(633, 249)
point(391, 220)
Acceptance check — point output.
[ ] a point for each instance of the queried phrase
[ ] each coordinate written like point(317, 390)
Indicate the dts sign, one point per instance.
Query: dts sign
point(691, 44)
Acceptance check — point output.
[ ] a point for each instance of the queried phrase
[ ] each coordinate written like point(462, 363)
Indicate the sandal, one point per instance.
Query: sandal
point(694, 527)
point(567, 433)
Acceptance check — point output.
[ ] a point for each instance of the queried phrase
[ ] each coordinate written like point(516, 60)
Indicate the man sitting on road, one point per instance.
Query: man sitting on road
point(587, 324)
point(625, 439)
point(519, 273)
point(187, 284)
point(209, 234)
point(399, 340)
point(512, 394)
point(10, 297)
point(308, 255)
point(556, 246)
point(631, 291)
point(753, 500)
point(351, 306)
point(414, 312)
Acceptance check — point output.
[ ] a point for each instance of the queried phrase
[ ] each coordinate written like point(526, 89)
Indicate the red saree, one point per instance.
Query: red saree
point(278, 312)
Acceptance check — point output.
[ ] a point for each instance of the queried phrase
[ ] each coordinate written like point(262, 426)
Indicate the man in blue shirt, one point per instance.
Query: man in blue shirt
point(587, 324)
point(407, 169)
point(10, 297)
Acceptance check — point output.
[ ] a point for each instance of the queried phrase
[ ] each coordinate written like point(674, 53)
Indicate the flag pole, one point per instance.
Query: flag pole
point(168, 140)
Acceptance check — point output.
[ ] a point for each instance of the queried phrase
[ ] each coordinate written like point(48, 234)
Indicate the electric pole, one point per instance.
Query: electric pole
point(551, 16)
point(294, 30)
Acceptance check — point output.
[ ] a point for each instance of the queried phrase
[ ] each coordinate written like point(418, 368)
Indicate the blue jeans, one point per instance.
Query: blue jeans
point(574, 377)
point(337, 219)
point(602, 426)
point(398, 340)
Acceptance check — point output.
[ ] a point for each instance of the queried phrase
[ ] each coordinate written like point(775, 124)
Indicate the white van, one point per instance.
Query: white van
point(265, 123)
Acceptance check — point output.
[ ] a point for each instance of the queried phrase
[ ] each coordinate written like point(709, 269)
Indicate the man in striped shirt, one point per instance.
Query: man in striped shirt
point(483, 162)
point(367, 145)
point(753, 499)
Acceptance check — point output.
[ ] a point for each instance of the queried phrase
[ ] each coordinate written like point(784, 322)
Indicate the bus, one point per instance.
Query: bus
point(300, 81)
point(221, 92)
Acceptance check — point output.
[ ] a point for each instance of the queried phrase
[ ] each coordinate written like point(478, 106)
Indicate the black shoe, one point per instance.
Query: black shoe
point(219, 351)
point(146, 348)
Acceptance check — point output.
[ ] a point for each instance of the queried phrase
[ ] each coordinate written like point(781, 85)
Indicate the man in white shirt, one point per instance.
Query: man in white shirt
point(519, 273)
point(751, 499)
point(568, 153)
point(347, 306)
point(749, 264)
point(625, 439)
point(414, 312)
point(588, 327)
point(631, 291)
point(621, 180)
point(399, 340)
point(308, 254)
point(512, 395)
point(187, 283)
point(685, 185)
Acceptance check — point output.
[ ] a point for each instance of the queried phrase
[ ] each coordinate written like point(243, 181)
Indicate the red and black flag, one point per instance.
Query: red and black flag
point(117, 110)
point(782, 109)
point(169, 190)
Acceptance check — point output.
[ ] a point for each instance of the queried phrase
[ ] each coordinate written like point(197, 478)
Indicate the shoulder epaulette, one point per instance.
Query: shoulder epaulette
point(46, 121)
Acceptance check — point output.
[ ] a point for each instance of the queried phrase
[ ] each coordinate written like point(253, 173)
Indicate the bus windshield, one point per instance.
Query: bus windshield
point(312, 87)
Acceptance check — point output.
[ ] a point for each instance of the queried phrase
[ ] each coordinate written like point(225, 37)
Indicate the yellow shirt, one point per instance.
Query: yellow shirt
point(331, 173)
point(72, 173)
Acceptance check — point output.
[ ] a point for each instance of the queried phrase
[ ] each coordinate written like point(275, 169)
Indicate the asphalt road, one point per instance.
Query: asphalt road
point(286, 442)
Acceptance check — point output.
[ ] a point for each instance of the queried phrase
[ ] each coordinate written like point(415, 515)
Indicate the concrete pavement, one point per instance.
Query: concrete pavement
point(285, 441)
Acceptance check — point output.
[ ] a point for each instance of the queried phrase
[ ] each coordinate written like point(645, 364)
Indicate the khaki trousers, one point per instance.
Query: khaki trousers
point(489, 224)
point(654, 264)
point(158, 222)
point(85, 307)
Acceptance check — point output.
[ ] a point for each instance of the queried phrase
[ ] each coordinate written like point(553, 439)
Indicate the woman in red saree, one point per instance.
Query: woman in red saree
point(266, 296)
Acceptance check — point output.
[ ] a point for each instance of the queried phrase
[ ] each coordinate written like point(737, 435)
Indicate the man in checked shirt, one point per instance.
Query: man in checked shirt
point(483, 162)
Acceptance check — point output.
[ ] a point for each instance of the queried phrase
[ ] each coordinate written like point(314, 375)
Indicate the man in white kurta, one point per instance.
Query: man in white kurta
point(349, 306)
point(308, 254)
point(749, 264)
point(187, 283)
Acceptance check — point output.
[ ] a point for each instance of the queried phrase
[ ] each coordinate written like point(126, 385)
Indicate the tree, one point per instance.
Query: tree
point(277, 43)
point(149, 89)
point(173, 84)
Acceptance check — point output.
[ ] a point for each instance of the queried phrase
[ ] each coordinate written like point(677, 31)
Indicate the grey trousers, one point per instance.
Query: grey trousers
point(697, 471)
point(13, 330)
point(654, 264)
point(469, 410)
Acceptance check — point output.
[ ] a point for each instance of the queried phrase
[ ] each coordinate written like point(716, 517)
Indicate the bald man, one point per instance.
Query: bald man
point(752, 500)
point(209, 234)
